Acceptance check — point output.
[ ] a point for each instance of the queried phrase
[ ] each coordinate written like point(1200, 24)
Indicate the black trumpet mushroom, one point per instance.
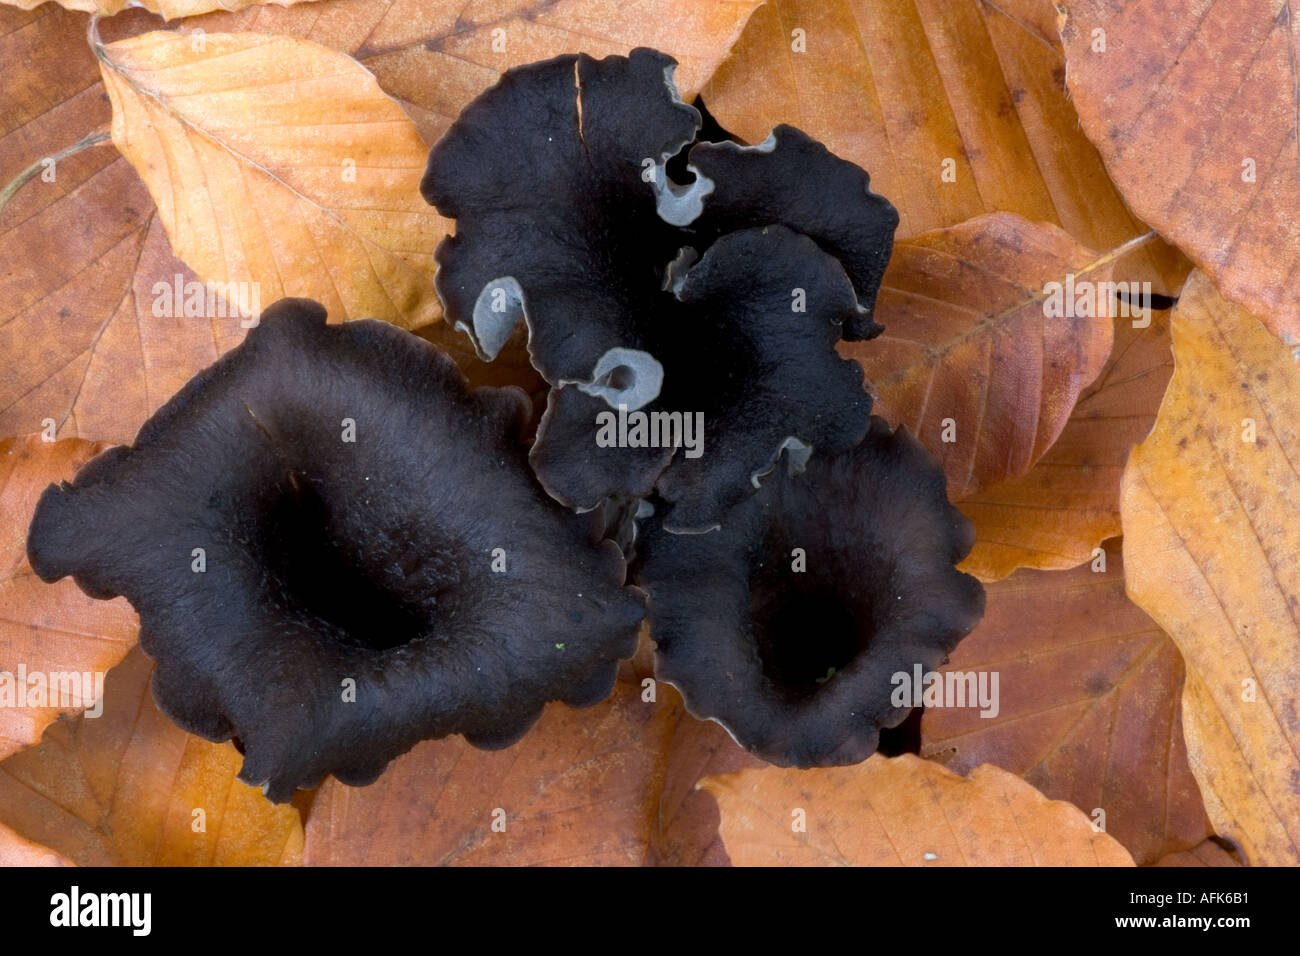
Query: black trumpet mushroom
point(336, 550)
point(788, 625)
point(659, 313)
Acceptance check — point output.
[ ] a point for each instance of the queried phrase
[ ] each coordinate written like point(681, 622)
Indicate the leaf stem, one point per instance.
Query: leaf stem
point(15, 184)
point(1120, 251)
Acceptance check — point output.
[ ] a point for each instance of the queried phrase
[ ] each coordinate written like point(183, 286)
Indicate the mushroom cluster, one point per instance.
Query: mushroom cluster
point(714, 304)
point(338, 549)
point(797, 551)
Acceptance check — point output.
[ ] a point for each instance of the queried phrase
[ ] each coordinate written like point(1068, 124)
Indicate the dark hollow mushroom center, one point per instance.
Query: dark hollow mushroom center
point(804, 638)
point(708, 367)
point(328, 582)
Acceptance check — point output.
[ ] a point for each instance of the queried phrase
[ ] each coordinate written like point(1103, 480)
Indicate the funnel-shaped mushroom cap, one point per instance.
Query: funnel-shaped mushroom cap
point(719, 300)
point(336, 551)
point(551, 177)
point(789, 625)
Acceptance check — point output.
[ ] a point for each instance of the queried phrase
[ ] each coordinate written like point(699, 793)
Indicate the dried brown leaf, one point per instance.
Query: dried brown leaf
point(84, 346)
point(1053, 516)
point(902, 811)
point(437, 56)
point(686, 828)
point(1207, 853)
point(578, 789)
point(1211, 512)
point(130, 787)
point(969, 360)
point(1194, 110)
point(1087, 705)
point(280, 165)
point(17, 851)
point(908, 90)
point(167, 8)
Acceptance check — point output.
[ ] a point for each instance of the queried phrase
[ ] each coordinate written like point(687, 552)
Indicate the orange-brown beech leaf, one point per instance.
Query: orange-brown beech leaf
point(578, 789)
point(130, 787)
point(1195, 114)
point(1211, 512)
point(167, 8)
point(15, 850)
point(913, 91)
point(437, 55)
point(686, 827)
point(280, 165)
point(1053, 516)
point(1207, 853)
point(77, 291)
point(1087, 705)
point(902, 811)
point(89, 341)
point(969, 360)
point(56, 644)
point(94, 334)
